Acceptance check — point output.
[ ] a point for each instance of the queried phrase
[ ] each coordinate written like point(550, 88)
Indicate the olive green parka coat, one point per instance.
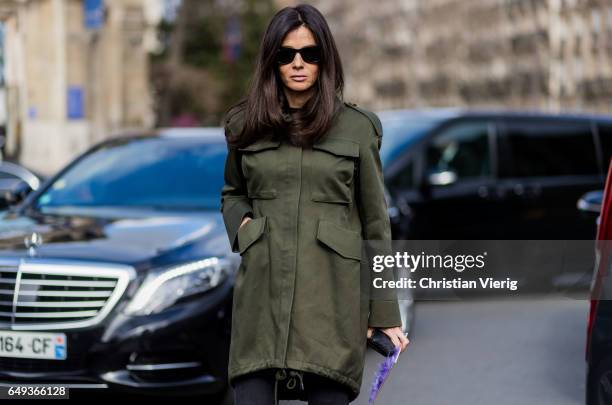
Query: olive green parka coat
point(301, 297)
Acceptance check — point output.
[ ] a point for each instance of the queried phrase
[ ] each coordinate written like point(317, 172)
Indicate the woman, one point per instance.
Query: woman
point(303, 189)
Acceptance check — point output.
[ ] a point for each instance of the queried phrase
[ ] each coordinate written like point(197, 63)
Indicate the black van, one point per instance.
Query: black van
point(467, 174)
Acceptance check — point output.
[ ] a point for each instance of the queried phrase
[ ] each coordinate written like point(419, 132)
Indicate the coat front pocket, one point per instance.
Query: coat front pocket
point(345, 242)
point(332, 170)
point(251, 307)
point(253, 246)
point(340, 263)
point(250, 232)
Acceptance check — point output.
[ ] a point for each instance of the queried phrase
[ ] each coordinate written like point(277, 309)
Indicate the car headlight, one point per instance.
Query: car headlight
point(163, 287)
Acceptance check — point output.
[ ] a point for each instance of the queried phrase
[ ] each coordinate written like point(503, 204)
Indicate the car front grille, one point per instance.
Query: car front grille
point(40, 294)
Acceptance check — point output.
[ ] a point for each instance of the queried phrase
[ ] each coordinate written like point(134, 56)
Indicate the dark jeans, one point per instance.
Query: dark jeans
point(257, 388)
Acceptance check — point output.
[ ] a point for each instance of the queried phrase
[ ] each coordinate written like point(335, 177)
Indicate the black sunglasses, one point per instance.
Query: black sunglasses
point(310, 54)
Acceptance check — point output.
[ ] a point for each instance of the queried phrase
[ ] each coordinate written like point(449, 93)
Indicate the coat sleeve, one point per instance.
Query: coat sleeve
point(235, 203)
point(376, 226)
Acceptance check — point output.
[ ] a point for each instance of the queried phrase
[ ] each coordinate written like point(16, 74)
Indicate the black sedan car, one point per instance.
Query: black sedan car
point(116, 274)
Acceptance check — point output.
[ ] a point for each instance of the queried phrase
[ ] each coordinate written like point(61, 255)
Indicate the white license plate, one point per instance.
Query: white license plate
point(33, 345)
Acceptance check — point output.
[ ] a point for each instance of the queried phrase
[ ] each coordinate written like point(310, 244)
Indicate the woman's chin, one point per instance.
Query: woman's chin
point(298, 87)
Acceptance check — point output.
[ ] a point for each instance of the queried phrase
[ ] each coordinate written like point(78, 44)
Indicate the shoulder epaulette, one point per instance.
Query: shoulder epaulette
point(370, 115)
point(234, 120)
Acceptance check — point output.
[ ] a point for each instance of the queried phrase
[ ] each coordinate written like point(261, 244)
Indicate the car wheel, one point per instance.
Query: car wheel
point(599, 383)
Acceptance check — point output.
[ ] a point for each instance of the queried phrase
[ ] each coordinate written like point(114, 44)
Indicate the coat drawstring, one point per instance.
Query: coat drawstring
point(281, 374)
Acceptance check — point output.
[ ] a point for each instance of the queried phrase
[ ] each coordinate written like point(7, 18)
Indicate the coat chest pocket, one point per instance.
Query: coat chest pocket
point(260, 165)
point(333, 170)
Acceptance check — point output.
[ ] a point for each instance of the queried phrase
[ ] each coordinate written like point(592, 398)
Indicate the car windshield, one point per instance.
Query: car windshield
point(401, 130)
point(185, 173)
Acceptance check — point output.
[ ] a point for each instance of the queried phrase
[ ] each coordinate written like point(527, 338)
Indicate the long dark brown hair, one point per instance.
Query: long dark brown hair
point(265, 104)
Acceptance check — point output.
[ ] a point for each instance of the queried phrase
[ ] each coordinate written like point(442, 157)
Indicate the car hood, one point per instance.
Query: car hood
point(111, 236)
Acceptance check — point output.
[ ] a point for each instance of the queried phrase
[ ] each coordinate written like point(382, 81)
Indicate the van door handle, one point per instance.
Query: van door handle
point(490, 192)
point(483, 191)
point(527, 191)
point(534, 191)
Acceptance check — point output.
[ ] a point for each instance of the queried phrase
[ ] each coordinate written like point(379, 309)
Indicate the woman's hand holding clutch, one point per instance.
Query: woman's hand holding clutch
point(395, 334)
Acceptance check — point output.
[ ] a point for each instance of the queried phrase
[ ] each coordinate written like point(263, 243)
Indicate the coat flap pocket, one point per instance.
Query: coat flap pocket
point(340, 147)
point(250, 232)
point(261, 144)
point(345, 242)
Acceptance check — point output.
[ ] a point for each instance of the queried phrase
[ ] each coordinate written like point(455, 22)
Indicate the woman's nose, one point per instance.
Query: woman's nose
point(297, 61)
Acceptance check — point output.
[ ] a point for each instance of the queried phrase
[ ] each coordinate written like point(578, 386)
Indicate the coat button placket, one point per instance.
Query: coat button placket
point(295, 172)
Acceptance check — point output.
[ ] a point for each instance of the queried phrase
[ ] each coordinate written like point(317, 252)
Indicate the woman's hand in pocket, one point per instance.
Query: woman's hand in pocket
point(245, 220)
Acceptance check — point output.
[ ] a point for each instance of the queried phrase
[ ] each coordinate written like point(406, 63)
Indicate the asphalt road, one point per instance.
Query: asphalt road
point(514, 352)
point(489, 352)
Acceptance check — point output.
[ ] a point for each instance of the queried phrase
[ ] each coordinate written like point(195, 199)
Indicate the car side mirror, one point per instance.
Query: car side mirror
point(13, 191)
point(590, 203)
point(442, 178)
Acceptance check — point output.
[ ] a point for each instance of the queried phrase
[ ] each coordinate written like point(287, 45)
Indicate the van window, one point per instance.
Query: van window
point(404, 178)
point(548, 148)
point(460, 151)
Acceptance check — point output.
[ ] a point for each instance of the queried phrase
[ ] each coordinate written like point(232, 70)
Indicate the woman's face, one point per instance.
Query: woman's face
point(299, 75)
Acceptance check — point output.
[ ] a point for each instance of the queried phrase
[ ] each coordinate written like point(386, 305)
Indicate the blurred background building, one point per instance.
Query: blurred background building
point(546, 54)
point(77, 71)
